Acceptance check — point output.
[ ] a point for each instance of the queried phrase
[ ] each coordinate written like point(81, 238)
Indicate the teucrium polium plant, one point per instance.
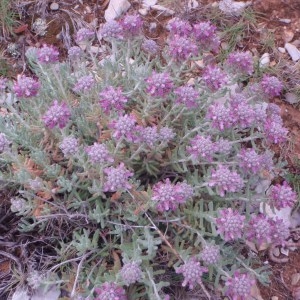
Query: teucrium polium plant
point(142, 168)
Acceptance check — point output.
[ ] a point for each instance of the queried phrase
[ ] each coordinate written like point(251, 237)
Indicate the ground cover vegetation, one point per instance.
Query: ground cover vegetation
point(145, 172)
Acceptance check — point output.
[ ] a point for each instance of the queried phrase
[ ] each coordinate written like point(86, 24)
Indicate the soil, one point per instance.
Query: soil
point(279, 19)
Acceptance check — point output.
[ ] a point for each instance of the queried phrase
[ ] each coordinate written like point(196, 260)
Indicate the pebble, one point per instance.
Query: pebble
point(148, 3)
point(165, 11)
point(288, 35)
point(143, 11)
point(264, 60)
point(281, 50)
point(115, 9)
point(293, 51)
point(192, 4)
point(286, 21)
point(54, 6)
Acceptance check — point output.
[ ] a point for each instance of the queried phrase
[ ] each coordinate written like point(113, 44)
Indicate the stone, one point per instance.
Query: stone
point(115, 9)
point(143, 11)
point(192, 4)
point(148, 3)
point(164, 10)
point(281, 50)
point(288, 35)
point(264, 60)
point(292, 51)
point(54, 6)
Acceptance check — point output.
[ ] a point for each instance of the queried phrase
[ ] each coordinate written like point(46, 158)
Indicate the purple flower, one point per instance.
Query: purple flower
point(225, 180)
point(148, 135)
point(192, 272)
point(112, 98)
point(166, 134)
point(239, 286)
point(57, 115)
point(271, 86)
point(210, 254)
point(281, 196)
point(111, 30)
point(168, 196)
point(47, 54)
point(150, 47)
point(205, 34)
point(74, 52)
point(214, 78)
point(26, 87)
point(4, 142)
point(3, 83)
point(250, 161)
point(182, 48)
point(99, 154)
point(124, 127)
point(132, 25)
point(201, 146)
point(223, 146)
point(84, 84)
point(179, 27)
point(230, 224)
point(117, 178)
point(110, 291)
point(259, 229)
point(131, 273)
point(240, 63)
point(220, 115)
point(84, 35)
point(69, 146)
point(275, 132)
point(280, 231)
point(159, 84)
point(187, 96)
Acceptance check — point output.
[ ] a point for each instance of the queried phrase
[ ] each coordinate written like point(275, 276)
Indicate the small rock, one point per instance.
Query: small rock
point(288, 35)
point(164, 10)
point(264, 60)
point(143, 11)
point(285, 251)
point(152, 26)
point(274, 298)
point(88, 10)
point(115, 9)
point(286, 21)
point(148, 3)
point(295, 278)
point(281, 50)
point(292, 98)
point(192, 4)
point(233, 8)
point(293, 51)
point(54, 6)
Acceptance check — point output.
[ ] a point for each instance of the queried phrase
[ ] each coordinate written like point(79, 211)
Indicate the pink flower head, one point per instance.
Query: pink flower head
point(74, 52)
point(57, 115)
point(166, 134)
point(182, 48)
point(281, 196)
point(280, 231)
point(99, 154)
point(210, 254)
point(259, 229)
point(187, 96)
point(112, 98)
point(150, 47)
point(148, 135)
point(124, 127)
point(230, 224)
point(201, 147)
point(179, 27)
point(275, 132)
point(110, 291)
point(214, 78)
point(84, 84)
point(26, 87)
point(111, 30)
point(131, 273)
point(239, 286)
point(84, 35)
point(271, 86)
point(240, 63)
point(47, 54)
point(132, 25)
point(225, 180)
point(69, 146)
point(159, 84)
point(192, 272)
point(250, 161)
point(117, 178)
point(168, 196)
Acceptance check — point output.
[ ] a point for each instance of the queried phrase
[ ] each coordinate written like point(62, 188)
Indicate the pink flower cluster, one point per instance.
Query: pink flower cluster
point(84, 84)
point(159, 84)
point(99, 154)
point(168, 196)
point(281, 196)
point(239, 286)
point(124, 127)
point(201, 147)
point(112, 98)
point(116, 179)
point(192, 272)
point(210, 254)
point(26, 87)
point(111, 30)
point(214, 78)
point(181, 48)
point(131, 273)
point(271, 86)
point(240, 63)
point(179, 27)
point(47, 54)
point(74, 52)
point(187, 96)
point(132, 25)
point(225, 180)
point(150, 47)
point(250, 161)
point(69, 146)
point(84, 35)
point(109, 291)
point(57, 115)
